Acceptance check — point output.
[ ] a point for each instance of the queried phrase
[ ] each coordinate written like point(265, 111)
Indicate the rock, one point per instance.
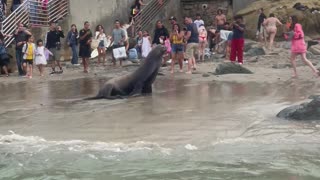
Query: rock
point(253, 59)
point(231, 68)
point(281, 66)
point(314, 96)
point(305, 111)
point(315, 49)
point(255, 51)
point(205, 75)
point(248, 45)
point(310, 55)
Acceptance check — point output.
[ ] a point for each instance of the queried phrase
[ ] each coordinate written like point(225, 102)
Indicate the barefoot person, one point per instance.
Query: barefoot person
point(298, 47)
point(261, 35)
point(220, 20)
point(29, 51)
point(192, 38)
point(40, 57)
point(176, 38)
point(271, 27)
point(202, 42)
point(101, 36)
point(85, 45)
point(237, 42)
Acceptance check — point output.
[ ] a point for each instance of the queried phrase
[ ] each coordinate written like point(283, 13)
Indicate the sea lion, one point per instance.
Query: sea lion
point(136, 83)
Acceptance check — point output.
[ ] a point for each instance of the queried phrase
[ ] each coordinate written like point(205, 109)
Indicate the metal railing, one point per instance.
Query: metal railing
point(147, 15)
point(35, 13)
point(9, 25)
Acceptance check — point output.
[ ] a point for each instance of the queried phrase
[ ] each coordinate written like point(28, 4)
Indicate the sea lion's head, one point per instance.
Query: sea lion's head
point(159, 50)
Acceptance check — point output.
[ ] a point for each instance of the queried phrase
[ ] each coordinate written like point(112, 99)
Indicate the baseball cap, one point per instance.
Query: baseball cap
point(172, 18)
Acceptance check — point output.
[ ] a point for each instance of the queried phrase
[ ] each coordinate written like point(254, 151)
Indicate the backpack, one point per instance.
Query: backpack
point(133, 54)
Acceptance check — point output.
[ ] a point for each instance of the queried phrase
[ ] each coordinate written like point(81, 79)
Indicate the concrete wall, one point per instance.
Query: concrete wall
point(206, 8)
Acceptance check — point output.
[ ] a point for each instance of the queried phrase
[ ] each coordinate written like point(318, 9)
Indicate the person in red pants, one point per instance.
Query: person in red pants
point(237, 43)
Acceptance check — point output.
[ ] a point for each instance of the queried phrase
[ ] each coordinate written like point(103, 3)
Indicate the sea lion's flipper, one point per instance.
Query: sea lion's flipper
point(147, 89)
point(137, 89)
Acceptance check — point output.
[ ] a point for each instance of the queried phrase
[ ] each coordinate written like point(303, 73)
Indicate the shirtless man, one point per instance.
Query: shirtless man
point(220, 21)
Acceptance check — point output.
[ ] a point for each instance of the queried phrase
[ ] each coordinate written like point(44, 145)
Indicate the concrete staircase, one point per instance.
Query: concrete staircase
point(147, 15)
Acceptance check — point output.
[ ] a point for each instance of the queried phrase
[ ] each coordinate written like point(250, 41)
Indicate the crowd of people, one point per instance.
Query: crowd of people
point(187, 42)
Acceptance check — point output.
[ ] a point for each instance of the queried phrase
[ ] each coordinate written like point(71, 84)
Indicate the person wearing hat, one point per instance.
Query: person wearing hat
point(173, 20)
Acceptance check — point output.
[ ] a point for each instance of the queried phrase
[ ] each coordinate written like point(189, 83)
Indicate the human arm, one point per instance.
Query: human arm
point(279, 22)
point(241, 27)
point(298, 32)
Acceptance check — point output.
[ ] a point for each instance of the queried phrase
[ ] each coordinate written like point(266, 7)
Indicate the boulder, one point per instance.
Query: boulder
point(305, 111)
point(255, 51)
point(231, 68)
point(315, 49)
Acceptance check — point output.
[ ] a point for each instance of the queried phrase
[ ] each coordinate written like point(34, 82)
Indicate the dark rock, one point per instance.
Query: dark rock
point(205, 75)
point(231, 68)
point(248, 46)
point(314, 96)
point(256, 51)
point(305, 111)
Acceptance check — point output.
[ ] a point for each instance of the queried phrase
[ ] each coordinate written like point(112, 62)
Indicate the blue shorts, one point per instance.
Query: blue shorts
point(101, 44)
point(176, 48)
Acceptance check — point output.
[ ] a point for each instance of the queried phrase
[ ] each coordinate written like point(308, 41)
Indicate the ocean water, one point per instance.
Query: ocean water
point(185, 130)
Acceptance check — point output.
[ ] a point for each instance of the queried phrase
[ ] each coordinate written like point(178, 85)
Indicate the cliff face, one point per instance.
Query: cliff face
point(283, 9)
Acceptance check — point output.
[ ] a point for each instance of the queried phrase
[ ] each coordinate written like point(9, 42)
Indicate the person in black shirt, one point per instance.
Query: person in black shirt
point(261, 32)
point(54, 45)
point(20, 37)
point(160, 34)
point(85, 45)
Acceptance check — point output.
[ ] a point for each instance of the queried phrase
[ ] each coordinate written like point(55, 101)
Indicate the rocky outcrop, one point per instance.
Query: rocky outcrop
point(283, 9)
point(315, 49)
point(231, 68)
point(305, 111)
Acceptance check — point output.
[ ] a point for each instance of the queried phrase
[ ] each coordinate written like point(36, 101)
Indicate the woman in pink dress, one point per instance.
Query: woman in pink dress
point(298, 47)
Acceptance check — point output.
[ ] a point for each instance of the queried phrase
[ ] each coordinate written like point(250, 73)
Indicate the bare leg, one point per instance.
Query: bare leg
point(25, 69)
point(309, 63)
point(104, 55)
point(5, 69)
point(272, 35)
point(180, 59)
point(294, 65)
point(173, 61)
point(30, 71)
point(99, 55)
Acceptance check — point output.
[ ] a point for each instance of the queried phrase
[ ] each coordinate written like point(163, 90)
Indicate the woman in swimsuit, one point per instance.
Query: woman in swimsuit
point(271, 27)
point(202, 41)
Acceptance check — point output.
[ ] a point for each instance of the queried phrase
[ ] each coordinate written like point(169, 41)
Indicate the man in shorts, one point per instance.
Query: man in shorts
point(53, 43)
point(85, 45)
point(118, 38)
point(192, 38)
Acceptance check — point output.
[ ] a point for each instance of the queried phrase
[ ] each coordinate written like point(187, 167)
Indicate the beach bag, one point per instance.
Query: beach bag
point(133, 54)
point(95, 43)
point(119, 53)
point(167, 44)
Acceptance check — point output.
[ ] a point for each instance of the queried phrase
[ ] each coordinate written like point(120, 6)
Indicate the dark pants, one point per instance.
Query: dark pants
point(19, 58)
point(237, 46)
point(75, 56)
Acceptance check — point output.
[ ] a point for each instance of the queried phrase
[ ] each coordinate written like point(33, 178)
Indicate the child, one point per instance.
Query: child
point(29, 52)
point(146, 44)
point(237, 43)
point(41, 59)
point(298, 47)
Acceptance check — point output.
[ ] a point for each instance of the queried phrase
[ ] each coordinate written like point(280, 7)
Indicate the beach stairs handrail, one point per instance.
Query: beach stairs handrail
point(57, 10)
point(9, 24)
point(36, 14)
point(144, 18)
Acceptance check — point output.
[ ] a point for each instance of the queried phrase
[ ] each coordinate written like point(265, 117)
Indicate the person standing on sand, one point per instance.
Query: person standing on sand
point(85, 45)
point(220, 20)
point(192, 38)
point(271, 27)
point(237, 43)
point(176, 38)
point(298, 47)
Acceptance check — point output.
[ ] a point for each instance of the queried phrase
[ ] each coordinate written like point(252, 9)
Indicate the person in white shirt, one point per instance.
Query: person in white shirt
point(101, 36)
point(198, 21)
